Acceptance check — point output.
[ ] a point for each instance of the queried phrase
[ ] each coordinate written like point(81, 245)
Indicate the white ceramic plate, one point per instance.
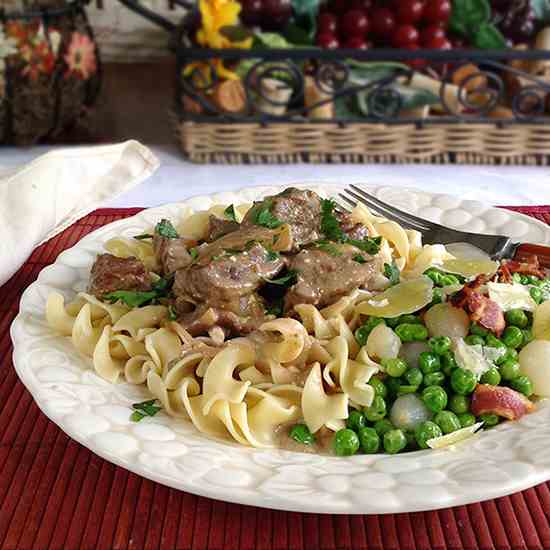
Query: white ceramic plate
point(509, 458)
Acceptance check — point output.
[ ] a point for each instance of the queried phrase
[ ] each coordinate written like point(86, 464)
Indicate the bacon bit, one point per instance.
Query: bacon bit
point(500, 401)
point(530, 266)
point(480, 308)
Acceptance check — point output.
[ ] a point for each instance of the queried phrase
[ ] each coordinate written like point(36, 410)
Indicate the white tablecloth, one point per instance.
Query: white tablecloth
point(177, 179)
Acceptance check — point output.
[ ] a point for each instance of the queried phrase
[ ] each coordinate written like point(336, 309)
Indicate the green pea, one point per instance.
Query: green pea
point(426, 431)
point(447, 421)
point(434, 275)
point(493, 342)
point(489, 419)
point(516, 278)
point(478, 330)
point(448, 363)
point(463, 381)
point(474, 340)
point(440, 344)
point(383, 426)
point(522, 384)
point(410, 319)
point(301, 434)
point(414, 376)
point(394, 441)
point(369, 440)
point(393, 385)
point(459, 404)
point(491, 376)
point(536, 294)
point(527, 336)
point(406, 388)
point(428, 362)
point(362, 333)
point(512, 337)
point(448, 280)
point(434, 379)
point(466, 419)
point(510, 353)
point(377, 409)
point(516, 318)
point(509, 370)
point(533, 280)
point(435, 398)
point(394, 367)
point(346, 442)
point(356, 420)
point(392, 322)
point(409, 332)
point(437, 296)
point(379, 387)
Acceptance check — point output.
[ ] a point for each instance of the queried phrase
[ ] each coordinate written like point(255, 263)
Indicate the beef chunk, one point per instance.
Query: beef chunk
point(351, 229)
point(218, 228)
point(324, 277)
point(299, 208)
point(110, 273)
point(171, 254)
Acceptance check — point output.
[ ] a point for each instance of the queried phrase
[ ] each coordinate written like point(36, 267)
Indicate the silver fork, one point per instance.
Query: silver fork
point(497, 246)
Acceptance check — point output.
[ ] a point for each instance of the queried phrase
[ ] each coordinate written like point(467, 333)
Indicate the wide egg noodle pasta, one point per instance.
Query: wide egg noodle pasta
point(104, 363)
point(127, 248)
point(292, 342)
point(141, 318)
point(162, 346)
point(84, 335)
point(318, 408)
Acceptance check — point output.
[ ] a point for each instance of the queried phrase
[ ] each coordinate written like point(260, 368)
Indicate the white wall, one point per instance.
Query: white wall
point(125, 36)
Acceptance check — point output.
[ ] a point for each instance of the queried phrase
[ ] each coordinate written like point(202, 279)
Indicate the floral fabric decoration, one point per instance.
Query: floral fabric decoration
point(80, 57)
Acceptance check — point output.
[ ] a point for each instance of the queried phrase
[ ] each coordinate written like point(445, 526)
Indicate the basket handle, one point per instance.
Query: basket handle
point(153, 16)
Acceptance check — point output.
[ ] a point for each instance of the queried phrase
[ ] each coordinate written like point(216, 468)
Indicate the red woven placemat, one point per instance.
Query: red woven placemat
point(54, 493)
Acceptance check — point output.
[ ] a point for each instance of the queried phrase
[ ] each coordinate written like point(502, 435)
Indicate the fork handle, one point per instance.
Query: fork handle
point(525, 250)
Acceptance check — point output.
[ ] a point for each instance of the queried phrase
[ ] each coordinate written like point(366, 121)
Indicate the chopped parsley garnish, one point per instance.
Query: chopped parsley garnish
point(370, 245)
point(165, 229)
point(275, 307)
point(272, 255)
point(264, 217)
point(131, 298)
point(359, 259)
point(136, 298)
point(329, 222)
point(391, 272)
point(194, 253)
point(286, 280)
point(328, 247)
point(143, 236)
point(172, 315)
point(143, 409)
point(229, 213)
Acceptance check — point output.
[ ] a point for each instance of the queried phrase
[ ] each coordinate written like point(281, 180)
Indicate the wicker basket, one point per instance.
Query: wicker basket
point(469, 133)
point(49, 70)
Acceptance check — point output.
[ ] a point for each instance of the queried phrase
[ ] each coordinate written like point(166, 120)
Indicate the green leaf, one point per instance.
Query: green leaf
point(143, 409)
point(468, 15)
point(391, 272)
point(370, 245)
point(286, 280)
point(411, 98)
point(130, 298)
point(275, 307)
point(365, 72)
point(330, 226)
point(194, 253)
point(236, 33)
point(229, 213)
point(541, 9)
point(328, 247)
point(264, 217)
point(488, 37)
point(270, 40)
point(143, 236)
point(172, 315)
point(296, 35)
point(165, 229)
point(359, 259)
point(272, 256)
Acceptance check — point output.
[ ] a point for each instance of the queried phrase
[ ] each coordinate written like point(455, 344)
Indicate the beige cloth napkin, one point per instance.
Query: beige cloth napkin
point(42, 198)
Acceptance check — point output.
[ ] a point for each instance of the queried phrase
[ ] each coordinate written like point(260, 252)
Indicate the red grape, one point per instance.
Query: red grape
point(354, 23)
point(251, 12)
point(439, 43)
point(404, 35)
point(358, 43)
point(409, 11)
point(430, 33)
point(327, 23)
point(276, 13)
point(437, 11)
point(382, 22)
point(328, 41)
point(339, 6)
point(364, 5)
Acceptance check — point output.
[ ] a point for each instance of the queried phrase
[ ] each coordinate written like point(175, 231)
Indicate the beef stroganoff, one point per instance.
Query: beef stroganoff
point(291, 323)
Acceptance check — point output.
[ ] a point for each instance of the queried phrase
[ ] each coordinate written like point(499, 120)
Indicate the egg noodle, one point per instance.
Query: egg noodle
point(308, 369)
